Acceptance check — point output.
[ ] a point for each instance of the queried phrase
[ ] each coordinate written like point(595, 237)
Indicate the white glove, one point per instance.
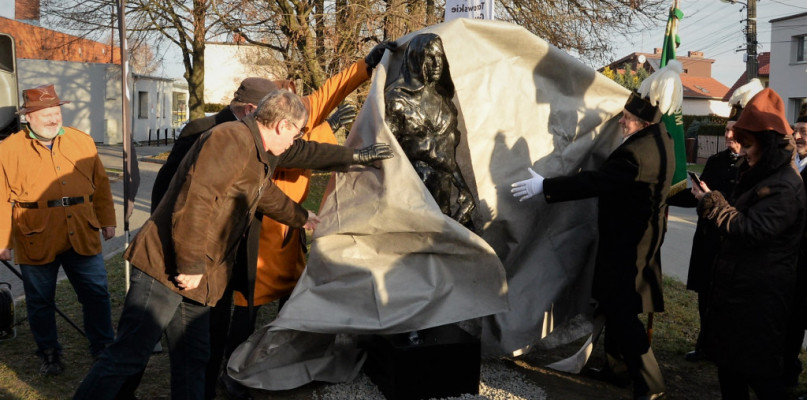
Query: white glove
point(529, 187)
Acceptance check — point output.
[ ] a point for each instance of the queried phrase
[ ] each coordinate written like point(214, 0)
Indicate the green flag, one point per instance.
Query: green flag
point(674, 121)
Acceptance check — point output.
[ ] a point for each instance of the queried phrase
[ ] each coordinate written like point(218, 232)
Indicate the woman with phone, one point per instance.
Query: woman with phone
point(755, 269)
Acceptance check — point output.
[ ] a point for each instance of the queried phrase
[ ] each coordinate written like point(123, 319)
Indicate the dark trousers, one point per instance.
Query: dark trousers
point(227, 332)
point(88, 276)
point(628, 349)
point(734, 386)
point(703, 305)
point(150, 309)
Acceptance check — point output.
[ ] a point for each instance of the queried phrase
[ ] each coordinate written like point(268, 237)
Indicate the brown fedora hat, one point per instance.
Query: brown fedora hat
point(38, 98)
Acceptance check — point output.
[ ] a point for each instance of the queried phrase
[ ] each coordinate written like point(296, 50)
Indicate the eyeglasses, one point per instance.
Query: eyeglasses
point(300, 132)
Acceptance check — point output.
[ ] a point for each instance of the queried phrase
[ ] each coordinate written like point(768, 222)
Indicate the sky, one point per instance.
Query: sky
point(716, 28)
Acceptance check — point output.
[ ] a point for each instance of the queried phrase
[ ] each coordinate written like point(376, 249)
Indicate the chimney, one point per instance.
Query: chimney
point(26, 10)
point(657, 50)
point(238, 38)
point(695, 54)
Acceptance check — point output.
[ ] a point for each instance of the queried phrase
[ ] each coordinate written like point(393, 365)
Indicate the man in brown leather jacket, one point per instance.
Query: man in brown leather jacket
point(184, 253)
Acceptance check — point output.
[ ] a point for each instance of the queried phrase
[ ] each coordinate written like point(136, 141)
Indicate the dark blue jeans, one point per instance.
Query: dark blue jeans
point(150, 309)
point(87, 274)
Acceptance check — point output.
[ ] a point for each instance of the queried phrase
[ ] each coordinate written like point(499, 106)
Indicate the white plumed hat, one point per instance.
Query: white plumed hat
point(742, 96)
point(661, 92)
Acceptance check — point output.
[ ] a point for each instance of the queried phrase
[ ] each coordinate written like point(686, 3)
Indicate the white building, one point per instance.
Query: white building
point(88, 74)
point(229, 63)
point(789, 61)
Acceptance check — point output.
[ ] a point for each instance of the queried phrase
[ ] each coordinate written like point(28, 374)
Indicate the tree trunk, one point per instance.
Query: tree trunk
point(195, 73)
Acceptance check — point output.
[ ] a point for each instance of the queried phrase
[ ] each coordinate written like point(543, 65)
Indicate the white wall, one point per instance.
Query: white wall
point(83, 84)
point(158, 113)
point(788, 77)
point(94, 92)
point(705, 107)
point(232, 64)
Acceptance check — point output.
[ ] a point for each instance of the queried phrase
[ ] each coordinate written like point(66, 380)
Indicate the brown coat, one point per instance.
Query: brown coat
point(222, 181)
point(33, 173)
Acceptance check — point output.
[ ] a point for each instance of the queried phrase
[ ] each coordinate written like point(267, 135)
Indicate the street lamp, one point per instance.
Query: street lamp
point(751, 65)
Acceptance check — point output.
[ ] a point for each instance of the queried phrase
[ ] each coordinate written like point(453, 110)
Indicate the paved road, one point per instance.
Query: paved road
point(112, 157)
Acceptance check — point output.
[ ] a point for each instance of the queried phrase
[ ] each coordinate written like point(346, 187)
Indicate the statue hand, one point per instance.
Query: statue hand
point(344, 115)
point(374, 56)
point(372, 153)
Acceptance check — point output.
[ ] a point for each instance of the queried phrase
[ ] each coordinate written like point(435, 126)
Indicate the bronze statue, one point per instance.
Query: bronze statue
point(421, 115)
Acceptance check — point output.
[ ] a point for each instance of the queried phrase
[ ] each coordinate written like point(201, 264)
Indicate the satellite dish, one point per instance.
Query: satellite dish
point(641, 59)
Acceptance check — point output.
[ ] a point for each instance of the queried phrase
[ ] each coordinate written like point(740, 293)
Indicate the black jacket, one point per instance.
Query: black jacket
point(187, 137)
point(632, 186)
point(720, 174)
point(755, 270)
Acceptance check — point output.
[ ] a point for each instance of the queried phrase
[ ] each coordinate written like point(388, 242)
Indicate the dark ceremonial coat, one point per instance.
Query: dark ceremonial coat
point(187, 137)
point(631, 186)
point(755, 270)
point(719, 173)
point(224, 179)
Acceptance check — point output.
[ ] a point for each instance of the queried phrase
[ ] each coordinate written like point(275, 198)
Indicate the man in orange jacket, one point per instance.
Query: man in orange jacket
point(55, 200)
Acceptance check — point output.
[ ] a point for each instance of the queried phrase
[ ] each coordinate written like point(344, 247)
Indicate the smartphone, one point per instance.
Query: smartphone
point(696, 180)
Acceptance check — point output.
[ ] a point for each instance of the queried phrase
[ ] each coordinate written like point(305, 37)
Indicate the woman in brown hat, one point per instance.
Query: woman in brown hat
point(761, 224)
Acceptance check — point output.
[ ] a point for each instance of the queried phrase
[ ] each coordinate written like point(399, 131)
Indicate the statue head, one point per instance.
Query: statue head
point(425, 61)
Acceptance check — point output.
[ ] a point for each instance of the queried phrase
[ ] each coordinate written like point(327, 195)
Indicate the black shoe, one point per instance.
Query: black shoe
point(51, 363)
point(695, 356)
point(606, 375)
point(232, 389)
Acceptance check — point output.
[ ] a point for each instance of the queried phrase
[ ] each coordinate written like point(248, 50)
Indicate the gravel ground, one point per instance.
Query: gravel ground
point(497, 383)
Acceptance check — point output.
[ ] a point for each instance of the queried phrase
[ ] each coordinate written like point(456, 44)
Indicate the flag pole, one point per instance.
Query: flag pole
point(127, 133)
point(673, 122)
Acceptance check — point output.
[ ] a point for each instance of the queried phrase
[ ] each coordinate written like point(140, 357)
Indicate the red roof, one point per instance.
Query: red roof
point(763, 71)
point(38, 43)
point(703, 87)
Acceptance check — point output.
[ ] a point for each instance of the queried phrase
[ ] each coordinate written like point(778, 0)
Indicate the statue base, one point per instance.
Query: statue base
point(444, 364)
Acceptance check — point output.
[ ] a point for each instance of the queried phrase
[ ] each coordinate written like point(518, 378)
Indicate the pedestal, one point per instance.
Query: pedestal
point(445, 364)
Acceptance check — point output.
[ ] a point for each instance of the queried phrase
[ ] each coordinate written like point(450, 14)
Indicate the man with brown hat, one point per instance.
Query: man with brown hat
point(55, 201)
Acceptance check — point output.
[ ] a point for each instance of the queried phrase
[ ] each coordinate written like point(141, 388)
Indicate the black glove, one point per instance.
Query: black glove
point(372, 153)
point(344, 115)
point(374, 56)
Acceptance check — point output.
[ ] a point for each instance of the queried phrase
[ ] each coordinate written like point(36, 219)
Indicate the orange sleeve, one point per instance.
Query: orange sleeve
point(333, 91)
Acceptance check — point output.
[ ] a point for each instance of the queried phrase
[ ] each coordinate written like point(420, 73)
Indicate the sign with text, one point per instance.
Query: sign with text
point(476, 9)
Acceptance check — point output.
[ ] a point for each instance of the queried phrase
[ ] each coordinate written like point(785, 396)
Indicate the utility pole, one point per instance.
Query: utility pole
point(751, 64)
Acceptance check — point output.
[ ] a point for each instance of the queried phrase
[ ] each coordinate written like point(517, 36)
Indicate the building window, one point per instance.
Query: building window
point(801, 48)
point(143, 105)
point(798, 107)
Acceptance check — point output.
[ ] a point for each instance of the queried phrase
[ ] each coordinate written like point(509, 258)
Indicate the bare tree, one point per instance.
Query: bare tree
point(584, 27)
point(184, 23)
point(313, 39)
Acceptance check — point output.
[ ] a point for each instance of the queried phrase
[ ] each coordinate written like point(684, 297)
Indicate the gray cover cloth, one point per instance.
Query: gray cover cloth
point(386, 260)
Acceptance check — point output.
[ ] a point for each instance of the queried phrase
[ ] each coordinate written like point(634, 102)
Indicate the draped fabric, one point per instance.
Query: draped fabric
point(386, 260)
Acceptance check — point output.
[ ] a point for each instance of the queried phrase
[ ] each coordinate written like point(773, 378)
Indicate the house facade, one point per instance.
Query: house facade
point(703, 95)
point(88, 74)
point(788, 75)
